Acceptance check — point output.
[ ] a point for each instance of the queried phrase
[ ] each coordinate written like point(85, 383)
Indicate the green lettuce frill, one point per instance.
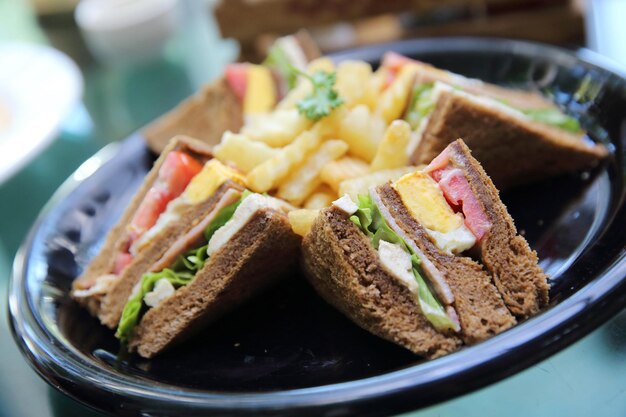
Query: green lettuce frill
point(181, 273)
point(369, 219)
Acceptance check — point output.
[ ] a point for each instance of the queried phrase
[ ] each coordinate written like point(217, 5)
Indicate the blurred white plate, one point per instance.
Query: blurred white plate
point(39, 86)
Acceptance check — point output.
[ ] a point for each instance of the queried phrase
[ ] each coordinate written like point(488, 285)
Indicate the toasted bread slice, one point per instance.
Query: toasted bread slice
point(205, 116)
point(113, 303)
point(504, 253)
point(512, 148)
point(344, 268)
point(103, 263)
point(477, 302)
point(256, 257)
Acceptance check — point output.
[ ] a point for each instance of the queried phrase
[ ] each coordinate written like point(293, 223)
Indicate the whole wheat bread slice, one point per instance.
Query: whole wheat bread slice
point(256, 257)
point(113, 303)
point(513, 149)
point(115, 240)
point(505, 254)
point(206, 115)
point(478, 303)
point(344, 268)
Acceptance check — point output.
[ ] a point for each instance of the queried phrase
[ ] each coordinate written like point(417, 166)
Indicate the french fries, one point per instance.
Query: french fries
point(276, 129)
point(334, 172)
point(362, 130)
point(303, 88)
point(374, 87)
point(301, 183)
point(243, 152)
point(394, 99)
point(392, 149)
point(321, 197)
point(302, 220)
point(355, 186)
point(351, 77)
point(268, 175)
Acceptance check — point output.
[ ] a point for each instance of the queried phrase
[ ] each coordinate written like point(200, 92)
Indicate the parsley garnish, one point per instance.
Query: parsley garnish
point(324, 97)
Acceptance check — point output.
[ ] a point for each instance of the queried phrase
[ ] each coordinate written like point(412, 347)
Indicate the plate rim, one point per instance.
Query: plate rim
point(396, 384)
point(39, 144)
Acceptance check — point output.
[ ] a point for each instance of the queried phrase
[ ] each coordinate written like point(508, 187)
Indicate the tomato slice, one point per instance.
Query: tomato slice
point(177, 171)
point(153, 204)
point(121, 261)
point(394, 61)
point(460, 196)
point(237, 78)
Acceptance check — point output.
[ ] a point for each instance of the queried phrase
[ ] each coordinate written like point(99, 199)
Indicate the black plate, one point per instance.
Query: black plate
point(288, 352)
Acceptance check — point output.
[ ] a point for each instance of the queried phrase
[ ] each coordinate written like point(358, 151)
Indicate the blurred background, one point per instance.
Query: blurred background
point(76, 76)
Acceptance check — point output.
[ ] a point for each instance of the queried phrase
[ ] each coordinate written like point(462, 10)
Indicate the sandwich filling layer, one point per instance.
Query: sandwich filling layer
point(173, 176)
point(182, 181)
point(219, 227)
point(426, 94)
point(400, 260)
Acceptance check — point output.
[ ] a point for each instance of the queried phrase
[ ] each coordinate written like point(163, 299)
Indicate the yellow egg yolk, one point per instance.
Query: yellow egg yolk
point(424, 199)
point(208, 180)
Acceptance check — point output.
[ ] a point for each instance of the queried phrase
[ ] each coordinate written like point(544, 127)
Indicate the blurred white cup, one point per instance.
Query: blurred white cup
point(119, 31)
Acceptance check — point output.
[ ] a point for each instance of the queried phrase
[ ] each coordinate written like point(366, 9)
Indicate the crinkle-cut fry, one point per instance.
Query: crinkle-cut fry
point(374, 88)
point(393, 101)
point(270, 173)
point(392, 149)
point(301, 220)
point(246, 154)
point(355, 186)
point(303, 87)
point(334, 172)
point(322, 197)
point(352, 76)
point(304, 179)
point(362, 130)
point(276, 129)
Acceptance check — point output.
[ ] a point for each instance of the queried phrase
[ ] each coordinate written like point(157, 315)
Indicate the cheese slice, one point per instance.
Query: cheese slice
point(260, 91)
point(207, 181)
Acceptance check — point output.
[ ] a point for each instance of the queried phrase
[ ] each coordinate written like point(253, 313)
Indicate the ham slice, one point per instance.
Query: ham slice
point(195, 235)
point(434, 276)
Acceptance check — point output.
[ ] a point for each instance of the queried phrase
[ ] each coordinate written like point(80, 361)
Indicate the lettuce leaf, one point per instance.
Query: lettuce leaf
point(421, 104)
point(278, 59)
point(553, 117)
point(181, 273)
point(369, 219)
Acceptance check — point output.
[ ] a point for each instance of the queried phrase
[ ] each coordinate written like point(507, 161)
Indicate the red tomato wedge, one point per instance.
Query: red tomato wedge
point(237, 78)
point(174, 175)
point(459, 194)
point(394, 61)
point(121, 261)
point(153, 204)
point(177, 170)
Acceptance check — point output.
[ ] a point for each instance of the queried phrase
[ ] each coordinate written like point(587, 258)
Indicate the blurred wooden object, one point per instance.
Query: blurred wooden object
point(340, 24)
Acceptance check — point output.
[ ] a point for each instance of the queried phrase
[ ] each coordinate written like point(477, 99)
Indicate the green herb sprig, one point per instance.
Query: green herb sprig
point(323, 99)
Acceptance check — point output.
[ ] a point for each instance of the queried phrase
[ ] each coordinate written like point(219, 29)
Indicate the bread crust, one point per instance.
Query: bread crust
point(478, 304)
point(103, 263)
point(512, 149)
point(505, 254)
point(113, 303)
point(344, 268)
point(206, 115)
point(255, 258)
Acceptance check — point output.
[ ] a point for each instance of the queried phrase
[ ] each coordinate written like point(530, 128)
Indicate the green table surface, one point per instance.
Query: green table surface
point(586, 379)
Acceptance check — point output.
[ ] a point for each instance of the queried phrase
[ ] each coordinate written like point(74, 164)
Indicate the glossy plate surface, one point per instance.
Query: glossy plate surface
point(289, 353)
